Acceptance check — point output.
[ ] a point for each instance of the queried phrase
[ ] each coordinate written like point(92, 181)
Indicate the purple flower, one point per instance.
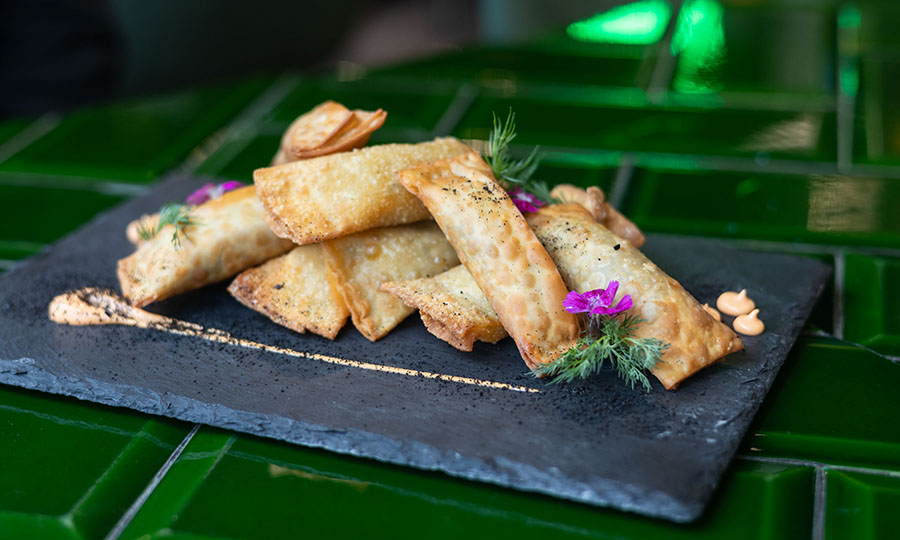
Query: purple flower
point(598, 301)
point(211, 191)
point(524, 201)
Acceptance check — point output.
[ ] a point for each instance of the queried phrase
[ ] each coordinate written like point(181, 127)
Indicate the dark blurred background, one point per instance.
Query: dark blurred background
point(60, 54)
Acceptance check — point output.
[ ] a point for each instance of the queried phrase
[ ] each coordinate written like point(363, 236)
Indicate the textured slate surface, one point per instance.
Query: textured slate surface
point(659, 454)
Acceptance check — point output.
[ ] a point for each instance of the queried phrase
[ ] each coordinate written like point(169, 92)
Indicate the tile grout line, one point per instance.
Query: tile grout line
point(840, 271)
point(664, 69)
point(819, 497)
point(34, 131)
point(243, 122)
point(621, 182)
point(817, 464)
point(453, 114)
point(138, 503)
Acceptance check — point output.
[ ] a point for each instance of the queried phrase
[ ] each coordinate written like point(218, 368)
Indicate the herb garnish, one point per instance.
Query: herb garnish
point(175, 214)
point(609, 337)
point(514, 173)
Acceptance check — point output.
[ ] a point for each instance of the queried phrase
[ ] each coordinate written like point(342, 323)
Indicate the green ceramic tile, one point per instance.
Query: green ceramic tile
point(583, 172)
point(831, 403)
point(813, 208)
point(862, 506)
point(877, 122)
point(718, 49)
point(69, 469)
point(238, 159)
point(408, 106)
point(506, 68)
point(562, 123)
point(135, 141)
point(871, 287)
point(42, 215)
point(247, 488)
point(10, 128)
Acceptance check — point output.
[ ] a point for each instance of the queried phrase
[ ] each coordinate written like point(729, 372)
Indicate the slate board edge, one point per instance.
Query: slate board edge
point(357, 443)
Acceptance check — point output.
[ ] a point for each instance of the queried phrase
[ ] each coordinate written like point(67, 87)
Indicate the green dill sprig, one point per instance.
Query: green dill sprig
point(175, 214)
point(609, 339)
point(514, 173)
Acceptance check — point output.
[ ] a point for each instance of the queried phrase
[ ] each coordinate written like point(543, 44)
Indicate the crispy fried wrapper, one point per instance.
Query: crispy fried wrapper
point(229, 236)
point(294, 290)
point(501, 252)
point(589, 256)
point(360, 262)
point(331, 196)
point(327, 129)
point(452, 307)
point(594, 201)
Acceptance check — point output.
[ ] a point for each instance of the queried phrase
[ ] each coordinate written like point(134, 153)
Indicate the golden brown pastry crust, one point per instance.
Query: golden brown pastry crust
point(229, 236)
point(452, 307)
point(586, 255)
point(500, 250)
point(359, 263)
point(294, 291)
point(331, 196)
point(327, 129)
point(594, 201)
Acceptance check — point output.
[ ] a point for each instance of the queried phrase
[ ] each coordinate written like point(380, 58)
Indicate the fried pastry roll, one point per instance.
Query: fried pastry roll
point(228, 236)
point(586, 255)
point(452, 307)
point(501, 252)
point(589, 256)
point(294, 290)
point(594, 201)
point(331, 196)
point(360, 262)
point(326, 129)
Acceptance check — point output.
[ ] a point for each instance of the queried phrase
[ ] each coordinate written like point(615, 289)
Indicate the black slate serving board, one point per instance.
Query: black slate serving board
point(597, 442)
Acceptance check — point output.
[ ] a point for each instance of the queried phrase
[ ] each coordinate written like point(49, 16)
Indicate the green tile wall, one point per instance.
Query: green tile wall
point(831, 403)
point(657, 129)
point(34, 214)
point(871, 315)
point(227, 486)
point(136, 141)
point(69, 469)
point(862, 506)
point(814, 208)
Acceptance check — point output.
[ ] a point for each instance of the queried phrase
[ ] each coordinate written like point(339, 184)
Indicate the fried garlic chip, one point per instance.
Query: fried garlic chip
point(360, 262)
point(294, 291)
point(595, 202)
point(228, 235)
point(331, 196)
point(452, 307)
point(589, 256)
point(500, 250)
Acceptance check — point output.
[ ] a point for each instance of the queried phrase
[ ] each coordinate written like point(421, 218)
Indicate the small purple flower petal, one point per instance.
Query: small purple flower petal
point(609, 293)
point(624, 304)
point(211, 191)
point(597, 301)
point(231, 185)
point(524, 201)
point(201, 195)
point(575, 303)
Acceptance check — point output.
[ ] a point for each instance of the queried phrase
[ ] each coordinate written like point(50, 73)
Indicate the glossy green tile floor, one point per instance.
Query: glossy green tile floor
point(713, 120)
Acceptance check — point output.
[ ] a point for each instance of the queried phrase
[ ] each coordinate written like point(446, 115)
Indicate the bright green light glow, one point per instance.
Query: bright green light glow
point(699, 43)
point(638, 23)
point(849, 17)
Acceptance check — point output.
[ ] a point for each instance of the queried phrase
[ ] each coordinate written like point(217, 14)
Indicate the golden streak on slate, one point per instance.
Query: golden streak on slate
point(95, 306)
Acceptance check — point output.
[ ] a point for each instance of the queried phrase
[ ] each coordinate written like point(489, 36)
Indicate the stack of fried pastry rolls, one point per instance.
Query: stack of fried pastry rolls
point(333, 231)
